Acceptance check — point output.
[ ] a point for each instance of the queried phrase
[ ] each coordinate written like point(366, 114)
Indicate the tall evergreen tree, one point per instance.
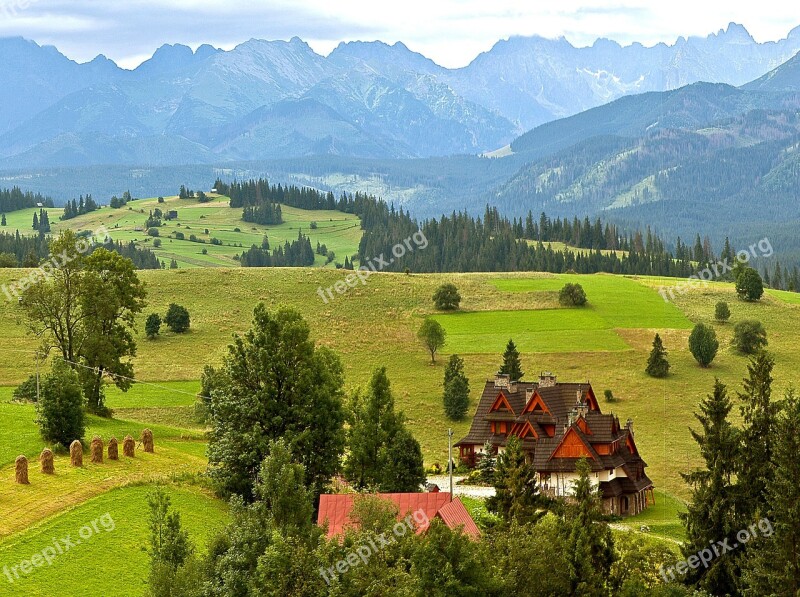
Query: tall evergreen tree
point(517, 497)
point(3, 220)
point(711, 514)
point(456, 389)
point(657, 364)
point(773, 562)
point(589, 540)
point(512, 366)
point(759, 418)
point(381, 452)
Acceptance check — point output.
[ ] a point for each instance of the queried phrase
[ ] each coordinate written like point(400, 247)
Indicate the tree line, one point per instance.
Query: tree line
point(73, 209)
point(14, 199)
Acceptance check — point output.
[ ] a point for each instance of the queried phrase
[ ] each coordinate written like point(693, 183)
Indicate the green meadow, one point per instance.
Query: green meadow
point(373, 325)
point(340, 232)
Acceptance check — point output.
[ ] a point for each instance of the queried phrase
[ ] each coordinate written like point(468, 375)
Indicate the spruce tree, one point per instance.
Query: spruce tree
point(456, 389)
point(517, 496)
point(3, 221)
point(512, 365)
point(35, 221)
point(759, 420)
point(590, 545)
point(773, 560)
point(657, 364)
point(711, 514)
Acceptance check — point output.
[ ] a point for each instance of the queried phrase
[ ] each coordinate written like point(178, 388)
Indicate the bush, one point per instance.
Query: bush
point(749, 336)
point(26, 390)
point(179, 235)
point(703, 344)
point(157, 242)
point(8, 260)
point(161, 200)
point(446, 297)
point(722, 312)
point(313, 225)
point(152, 231)
point(204, 251)
point(609, 396)
point(60, 409)
point(749, 285)
point(153, 325)
point(177, 318)
point(572, 295)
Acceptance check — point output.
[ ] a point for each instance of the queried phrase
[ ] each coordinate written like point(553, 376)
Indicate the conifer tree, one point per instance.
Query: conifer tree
point(456, 389)
point(517, 496)
point(759, 420)
point(590, 545)
point(35, 221)
point(512, 366)
point(657, 364)
point(711, 514)
point(3, 221)
point(773, 561)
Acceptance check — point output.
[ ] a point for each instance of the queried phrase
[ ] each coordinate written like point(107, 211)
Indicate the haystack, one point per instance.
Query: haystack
point(76, 453)
point(113, 449)
point(46, 458)
point(147, 440)
point(96, 449)
point(128, 446)
point(22, 470)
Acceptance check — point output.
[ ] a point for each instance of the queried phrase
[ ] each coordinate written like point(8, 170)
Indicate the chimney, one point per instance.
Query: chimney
point(501, 380)
point(528, 394)
point(546, 379)
point(629, 426)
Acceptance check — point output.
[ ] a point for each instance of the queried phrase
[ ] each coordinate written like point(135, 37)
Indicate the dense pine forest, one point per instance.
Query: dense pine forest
point(14, 199)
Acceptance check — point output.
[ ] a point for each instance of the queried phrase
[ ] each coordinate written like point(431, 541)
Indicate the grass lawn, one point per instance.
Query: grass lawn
point(112, 560)
point(662, 518)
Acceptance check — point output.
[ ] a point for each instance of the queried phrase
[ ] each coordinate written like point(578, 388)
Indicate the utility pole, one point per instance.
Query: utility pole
point(450, 459)
point(37, 378)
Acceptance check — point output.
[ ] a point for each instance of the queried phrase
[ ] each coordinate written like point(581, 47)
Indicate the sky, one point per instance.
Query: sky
point(451, 32)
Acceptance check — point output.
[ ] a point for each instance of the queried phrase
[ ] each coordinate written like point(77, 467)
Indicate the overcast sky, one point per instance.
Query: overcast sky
point(451, 32)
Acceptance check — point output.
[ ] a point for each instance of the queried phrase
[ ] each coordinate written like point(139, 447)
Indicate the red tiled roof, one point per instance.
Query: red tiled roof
point(336, 510)
point(454, 514)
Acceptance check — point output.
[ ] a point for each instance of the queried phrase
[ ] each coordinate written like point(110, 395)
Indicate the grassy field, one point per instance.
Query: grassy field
point(116, 546)
point(340, 232)
point(375, 324)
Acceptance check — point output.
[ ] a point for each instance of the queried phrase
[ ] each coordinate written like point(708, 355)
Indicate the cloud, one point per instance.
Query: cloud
point(452, 32)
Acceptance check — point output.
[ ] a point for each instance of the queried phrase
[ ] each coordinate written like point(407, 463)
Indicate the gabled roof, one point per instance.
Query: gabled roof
point(336, 508)
point(455, 515)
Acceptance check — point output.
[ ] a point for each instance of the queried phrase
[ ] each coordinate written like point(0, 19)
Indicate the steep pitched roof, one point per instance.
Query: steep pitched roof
point(336, 509)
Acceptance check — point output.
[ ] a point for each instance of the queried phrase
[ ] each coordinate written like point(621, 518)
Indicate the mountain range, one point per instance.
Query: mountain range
point(275, 99)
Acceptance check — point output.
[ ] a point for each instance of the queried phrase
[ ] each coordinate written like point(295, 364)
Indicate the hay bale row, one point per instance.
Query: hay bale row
point(76, 454)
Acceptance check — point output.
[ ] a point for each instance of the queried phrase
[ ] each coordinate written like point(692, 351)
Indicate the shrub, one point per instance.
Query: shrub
point(26, 390)
point(572, 295)
point(179, 235)
point(446, 297)
point(161, 200)
point(152, 231)
point(153, 325)
point(609, 396)
point(157, 242)
point(313, 225)
point(749, 336)
point(703, 344)
point(177, 318)
point(8, 260)
point(60, 408)
point(237, 229)
point(722, 312)
point(749, 285)
point(204, 251)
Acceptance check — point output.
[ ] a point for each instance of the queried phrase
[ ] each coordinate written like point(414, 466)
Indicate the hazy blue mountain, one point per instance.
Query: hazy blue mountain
point(367, 99)
point(784, 78)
